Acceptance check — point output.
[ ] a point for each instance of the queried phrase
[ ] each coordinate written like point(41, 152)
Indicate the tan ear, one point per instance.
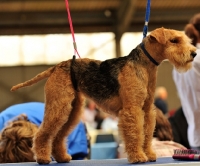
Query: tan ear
point(158, 35)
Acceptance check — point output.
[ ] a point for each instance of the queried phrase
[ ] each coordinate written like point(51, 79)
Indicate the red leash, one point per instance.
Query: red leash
point(71, 28)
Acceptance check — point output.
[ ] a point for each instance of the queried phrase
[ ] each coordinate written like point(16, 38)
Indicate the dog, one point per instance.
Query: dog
point(121, 86)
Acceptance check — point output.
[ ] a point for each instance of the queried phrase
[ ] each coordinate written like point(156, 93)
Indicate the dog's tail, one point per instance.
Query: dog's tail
point(35, 79)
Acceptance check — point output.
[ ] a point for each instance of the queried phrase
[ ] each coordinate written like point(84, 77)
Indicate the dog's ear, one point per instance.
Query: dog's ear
point(158, 35)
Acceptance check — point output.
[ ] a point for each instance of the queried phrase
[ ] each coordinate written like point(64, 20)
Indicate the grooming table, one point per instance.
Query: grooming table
point(164, 161)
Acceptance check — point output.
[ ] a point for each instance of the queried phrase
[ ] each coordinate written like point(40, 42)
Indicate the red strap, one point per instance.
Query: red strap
point(71, 28)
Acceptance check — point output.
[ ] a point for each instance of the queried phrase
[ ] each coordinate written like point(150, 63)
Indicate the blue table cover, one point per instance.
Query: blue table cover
point(114, 162)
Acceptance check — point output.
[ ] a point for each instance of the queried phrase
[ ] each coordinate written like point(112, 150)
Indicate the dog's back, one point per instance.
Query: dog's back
point(99, 79)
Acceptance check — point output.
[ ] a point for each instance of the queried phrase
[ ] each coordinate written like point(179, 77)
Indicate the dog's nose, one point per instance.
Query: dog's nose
point(193, 54)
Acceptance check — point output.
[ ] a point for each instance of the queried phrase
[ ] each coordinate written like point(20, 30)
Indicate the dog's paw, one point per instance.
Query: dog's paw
point(137, 158)
point(42, 161)
point(151, 156)
point(64, 159)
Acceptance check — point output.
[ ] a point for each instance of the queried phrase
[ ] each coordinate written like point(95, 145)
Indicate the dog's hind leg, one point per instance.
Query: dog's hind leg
point(59, 98)
point(59, 149)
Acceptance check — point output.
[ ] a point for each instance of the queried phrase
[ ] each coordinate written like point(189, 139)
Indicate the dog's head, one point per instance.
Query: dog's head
point(172, 45)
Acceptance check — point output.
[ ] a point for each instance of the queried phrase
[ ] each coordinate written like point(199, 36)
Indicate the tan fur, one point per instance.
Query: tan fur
point(123, 86)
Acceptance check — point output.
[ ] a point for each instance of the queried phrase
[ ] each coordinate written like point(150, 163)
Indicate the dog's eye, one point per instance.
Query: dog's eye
point(174, 40)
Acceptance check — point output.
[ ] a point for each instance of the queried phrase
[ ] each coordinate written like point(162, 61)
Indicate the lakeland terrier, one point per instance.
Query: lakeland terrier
point(121, 86)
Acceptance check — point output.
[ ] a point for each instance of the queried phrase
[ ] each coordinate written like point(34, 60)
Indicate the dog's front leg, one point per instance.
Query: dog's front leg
point(149, 127)
point(131, 121)
point(131, 117)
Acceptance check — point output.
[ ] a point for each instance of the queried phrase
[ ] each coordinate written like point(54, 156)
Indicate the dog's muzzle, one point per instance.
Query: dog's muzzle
point(193, 54)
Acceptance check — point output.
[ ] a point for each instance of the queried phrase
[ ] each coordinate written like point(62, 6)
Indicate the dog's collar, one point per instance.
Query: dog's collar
point(148, 55)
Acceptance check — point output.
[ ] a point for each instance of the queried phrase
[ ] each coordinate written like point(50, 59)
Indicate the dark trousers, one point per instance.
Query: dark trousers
point(195, 148)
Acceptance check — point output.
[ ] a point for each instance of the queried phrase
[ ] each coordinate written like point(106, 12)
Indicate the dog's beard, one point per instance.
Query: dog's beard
point(184, 67)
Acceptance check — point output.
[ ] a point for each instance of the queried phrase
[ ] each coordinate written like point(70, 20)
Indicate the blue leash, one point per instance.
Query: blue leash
point(145, 29)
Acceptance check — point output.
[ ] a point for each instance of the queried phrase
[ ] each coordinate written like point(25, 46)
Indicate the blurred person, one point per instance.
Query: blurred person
point(163, 143)
point(179, 127)
point(110, 123)
point(89, 115)
point(18, 136)
point(188, 88)
point(16, 141)
point(160, 99)
point(99, 118)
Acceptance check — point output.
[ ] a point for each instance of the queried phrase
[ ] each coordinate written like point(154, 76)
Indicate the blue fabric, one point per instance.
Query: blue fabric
point(33, 110)
point(77, 140)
